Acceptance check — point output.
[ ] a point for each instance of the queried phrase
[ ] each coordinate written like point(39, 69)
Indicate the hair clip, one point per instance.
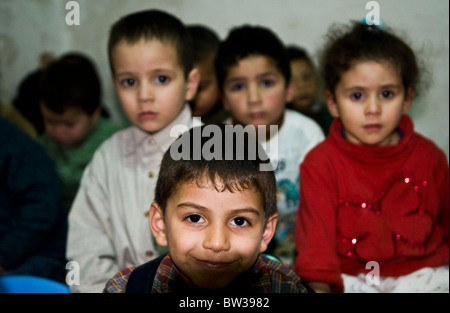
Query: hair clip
point(381, 26)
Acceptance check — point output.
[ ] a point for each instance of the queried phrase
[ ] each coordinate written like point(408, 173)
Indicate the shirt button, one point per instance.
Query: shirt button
point(151, 174)
point(149, 253)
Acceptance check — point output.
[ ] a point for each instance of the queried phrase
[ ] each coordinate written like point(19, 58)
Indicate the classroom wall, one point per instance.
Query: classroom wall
point(29, 27)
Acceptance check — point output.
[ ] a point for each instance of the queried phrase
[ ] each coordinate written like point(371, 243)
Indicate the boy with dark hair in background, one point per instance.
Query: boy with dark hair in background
point(70, 102)
point(207, 103)
point(255, 78)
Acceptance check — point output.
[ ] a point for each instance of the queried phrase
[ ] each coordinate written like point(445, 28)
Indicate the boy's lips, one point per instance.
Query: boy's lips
point(147, 115)
point(257, 115)
point(213, 264)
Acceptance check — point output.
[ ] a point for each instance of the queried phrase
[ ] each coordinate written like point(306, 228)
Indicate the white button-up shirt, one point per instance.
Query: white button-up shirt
point(108, 221)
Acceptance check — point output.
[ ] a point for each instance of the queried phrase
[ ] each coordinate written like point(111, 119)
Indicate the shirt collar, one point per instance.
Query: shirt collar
point(139, 138)
point(168, 279)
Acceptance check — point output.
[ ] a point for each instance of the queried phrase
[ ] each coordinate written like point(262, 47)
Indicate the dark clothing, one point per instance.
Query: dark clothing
point(162, 276)
point(33, 222)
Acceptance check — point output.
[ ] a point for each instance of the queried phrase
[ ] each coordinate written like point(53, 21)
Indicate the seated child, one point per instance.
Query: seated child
point(33, 222)
point(305, 95)
point(255, 79)
point(216, 213)
point(70, 93)
point(374, 215)
point(151, 59)
point(207, 103)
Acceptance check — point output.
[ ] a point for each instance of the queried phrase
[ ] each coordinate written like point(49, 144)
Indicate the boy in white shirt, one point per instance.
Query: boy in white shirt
point(151, 59)
point(254, 76)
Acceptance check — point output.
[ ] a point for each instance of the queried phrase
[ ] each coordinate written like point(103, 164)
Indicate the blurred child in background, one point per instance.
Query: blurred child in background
point(33, 221)
point(207, 103)
point(70, 100)
point(255, 78)
point(306, 97)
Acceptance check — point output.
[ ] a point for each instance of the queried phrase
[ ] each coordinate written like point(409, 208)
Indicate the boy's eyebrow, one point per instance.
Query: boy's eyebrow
point(241, 78)
point(154, 71)
point(392, 86)
point(202, 208)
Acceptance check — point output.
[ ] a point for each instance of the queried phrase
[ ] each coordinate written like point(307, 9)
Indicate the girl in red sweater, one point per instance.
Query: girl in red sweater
point(374, 214)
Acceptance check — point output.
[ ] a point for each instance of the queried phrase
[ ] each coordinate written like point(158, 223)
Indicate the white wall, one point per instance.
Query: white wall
point(28, 27)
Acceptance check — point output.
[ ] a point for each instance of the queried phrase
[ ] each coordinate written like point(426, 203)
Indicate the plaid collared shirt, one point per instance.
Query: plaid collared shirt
point(271, 277)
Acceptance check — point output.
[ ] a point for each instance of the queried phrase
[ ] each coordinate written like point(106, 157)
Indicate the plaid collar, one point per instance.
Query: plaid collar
point(266, 276)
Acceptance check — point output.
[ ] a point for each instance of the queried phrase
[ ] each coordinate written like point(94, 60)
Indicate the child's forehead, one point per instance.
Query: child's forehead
point(149, 43)
point(200, 186)
point(143, 48)
point(258, 62)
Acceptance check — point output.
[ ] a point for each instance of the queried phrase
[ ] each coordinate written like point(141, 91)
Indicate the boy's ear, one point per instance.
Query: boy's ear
point(290, 91)
point(409, 96)
point(331, 103)
point(192, 82)
point(269, 231)
point(157, 225)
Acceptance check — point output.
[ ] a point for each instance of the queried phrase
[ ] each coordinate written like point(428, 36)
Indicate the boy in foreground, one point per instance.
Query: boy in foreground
point(216, 213)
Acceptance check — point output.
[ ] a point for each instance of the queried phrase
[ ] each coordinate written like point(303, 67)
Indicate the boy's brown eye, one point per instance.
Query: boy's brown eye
point(239, 221)
point(194, 218)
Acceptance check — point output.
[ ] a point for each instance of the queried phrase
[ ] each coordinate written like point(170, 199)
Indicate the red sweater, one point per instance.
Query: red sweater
point(363, 203)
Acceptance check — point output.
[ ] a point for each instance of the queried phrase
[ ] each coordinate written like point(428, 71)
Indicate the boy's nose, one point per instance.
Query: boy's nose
point(253, 94)
point(216, 239)
point(144, 92)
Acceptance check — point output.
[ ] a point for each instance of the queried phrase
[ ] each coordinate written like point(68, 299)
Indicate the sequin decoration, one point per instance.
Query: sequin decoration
point(382, 228)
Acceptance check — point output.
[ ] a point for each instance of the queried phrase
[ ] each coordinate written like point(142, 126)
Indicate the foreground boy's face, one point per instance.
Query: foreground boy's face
point(255, 92)
point(214, 236)
point(150, 83)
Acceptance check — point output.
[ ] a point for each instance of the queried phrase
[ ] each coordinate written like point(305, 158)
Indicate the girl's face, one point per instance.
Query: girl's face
point(370, 100)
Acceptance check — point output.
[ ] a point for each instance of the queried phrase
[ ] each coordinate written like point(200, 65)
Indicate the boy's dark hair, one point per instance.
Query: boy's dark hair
point(297, 53)
point(234, 170)
point(150, 25)
point(245, 41)
point(360, 42)
point(71, 81)
point(206, 41)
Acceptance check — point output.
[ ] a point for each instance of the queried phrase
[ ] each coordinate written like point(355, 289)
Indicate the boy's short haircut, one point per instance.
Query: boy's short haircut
point(245, 41)
point(71, 81)
point(206, 41)
point(149, 25)
point(234, 173)
point(297, 53)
